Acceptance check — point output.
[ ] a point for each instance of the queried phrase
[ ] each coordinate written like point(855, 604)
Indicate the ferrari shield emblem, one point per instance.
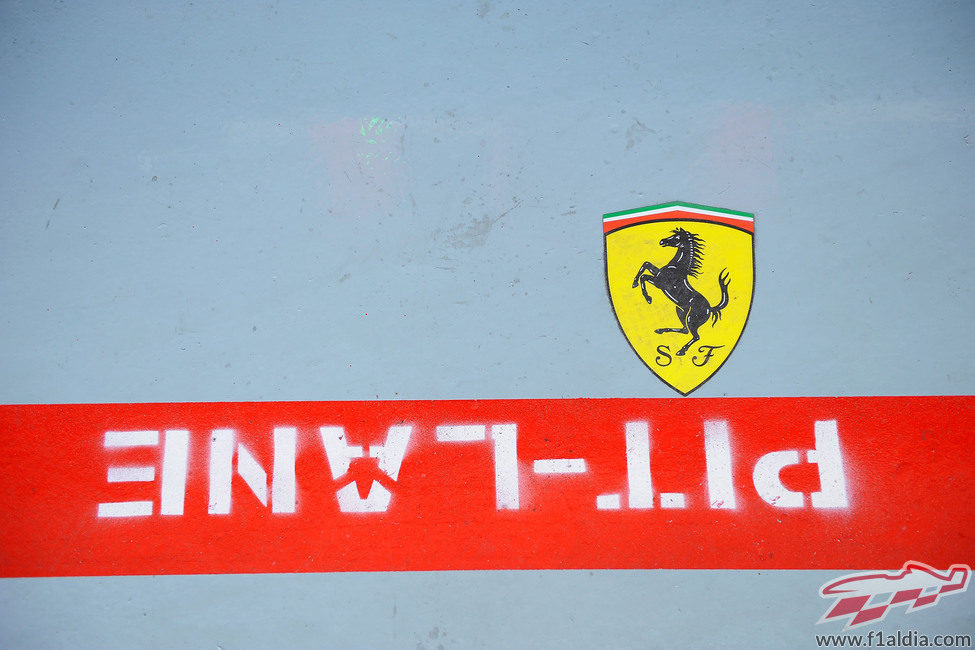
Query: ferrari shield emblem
point(680, 279)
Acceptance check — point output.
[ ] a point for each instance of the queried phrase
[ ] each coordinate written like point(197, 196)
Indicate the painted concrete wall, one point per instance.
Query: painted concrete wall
point(311, 201)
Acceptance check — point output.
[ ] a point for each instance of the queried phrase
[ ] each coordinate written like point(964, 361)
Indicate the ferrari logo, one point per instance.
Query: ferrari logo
point(680, 278)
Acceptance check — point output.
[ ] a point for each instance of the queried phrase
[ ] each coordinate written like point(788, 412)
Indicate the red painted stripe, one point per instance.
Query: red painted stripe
point(610, 226)
point(904, 462)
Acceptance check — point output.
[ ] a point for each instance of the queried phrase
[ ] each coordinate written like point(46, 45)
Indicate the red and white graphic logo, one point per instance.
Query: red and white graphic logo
point(865, 598)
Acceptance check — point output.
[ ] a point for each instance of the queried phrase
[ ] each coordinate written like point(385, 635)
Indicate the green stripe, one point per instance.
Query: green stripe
point(680, 204)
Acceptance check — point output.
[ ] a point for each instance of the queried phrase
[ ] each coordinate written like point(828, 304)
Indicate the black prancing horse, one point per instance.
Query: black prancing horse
point(693, 309)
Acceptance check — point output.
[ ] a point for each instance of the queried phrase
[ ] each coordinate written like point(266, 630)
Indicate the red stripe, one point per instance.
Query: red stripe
point(846, 606)
point(905, 461)
point(905, 596)
point(681, 215)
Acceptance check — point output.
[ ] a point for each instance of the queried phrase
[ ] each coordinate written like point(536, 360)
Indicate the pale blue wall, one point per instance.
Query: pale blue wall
point(190, 210)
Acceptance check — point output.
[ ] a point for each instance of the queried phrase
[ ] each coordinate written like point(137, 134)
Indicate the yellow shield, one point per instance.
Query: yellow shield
point(681, 278)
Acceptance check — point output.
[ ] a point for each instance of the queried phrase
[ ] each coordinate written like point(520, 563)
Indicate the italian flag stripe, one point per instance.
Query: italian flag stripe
point(632, 217)
point(688, 207)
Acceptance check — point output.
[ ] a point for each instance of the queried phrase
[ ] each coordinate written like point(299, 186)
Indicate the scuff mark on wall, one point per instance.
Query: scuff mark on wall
point(363, 160)
point(740, 158)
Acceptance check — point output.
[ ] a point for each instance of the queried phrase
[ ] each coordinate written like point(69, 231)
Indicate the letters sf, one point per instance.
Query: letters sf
point(279, 491)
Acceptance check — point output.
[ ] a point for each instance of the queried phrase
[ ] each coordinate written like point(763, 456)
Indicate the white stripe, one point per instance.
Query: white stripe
point(131, 438)
point(560, 466)
point(461, 432)
point(175, 460)
point(682, 209)
point(283, 482)
point(252, 473)
point(221, 470)
point(672, 500)
point(390, 454)
point(125, 509)
point(717, 458)
point(829, 459)
point(505, 437)
point(608, 502)
point(638, 465)
point(126, 474)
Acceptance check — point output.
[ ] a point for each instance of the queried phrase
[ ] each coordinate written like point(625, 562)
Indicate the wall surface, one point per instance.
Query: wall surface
point(339, 201)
